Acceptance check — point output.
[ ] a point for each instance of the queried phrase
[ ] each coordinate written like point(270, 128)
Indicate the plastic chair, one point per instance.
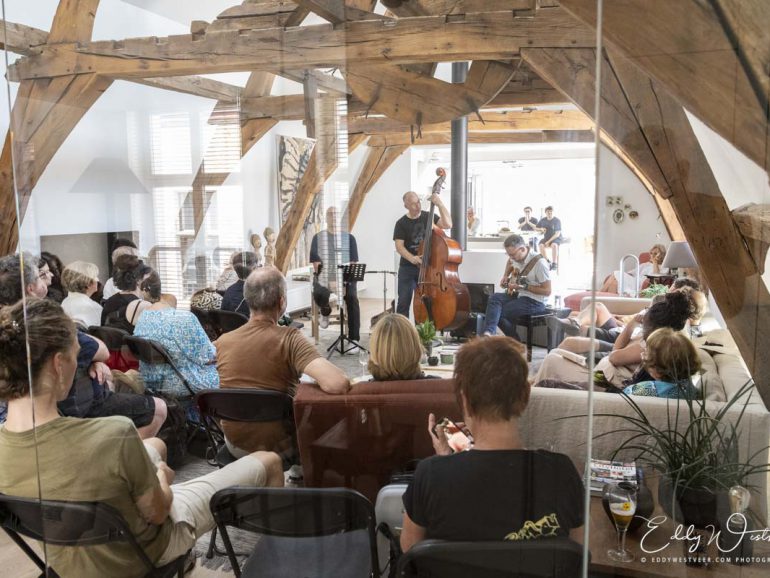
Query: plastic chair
point(241, 405)
point(223, 321)
point(59, 523)
point(304, 531)
point(539, 558)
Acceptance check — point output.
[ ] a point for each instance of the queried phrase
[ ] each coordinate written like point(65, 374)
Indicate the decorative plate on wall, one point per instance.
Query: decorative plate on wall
point(618, 215)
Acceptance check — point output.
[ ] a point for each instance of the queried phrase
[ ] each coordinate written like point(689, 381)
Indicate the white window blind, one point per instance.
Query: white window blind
point(170, 141)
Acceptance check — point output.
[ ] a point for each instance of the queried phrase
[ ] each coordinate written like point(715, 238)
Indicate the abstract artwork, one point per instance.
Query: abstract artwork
point(293, 157)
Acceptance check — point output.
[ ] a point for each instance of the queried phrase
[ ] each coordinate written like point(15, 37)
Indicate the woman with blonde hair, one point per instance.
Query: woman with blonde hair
point(395, 350)
point(657, 253)
point(671, 360)
point(81, 280)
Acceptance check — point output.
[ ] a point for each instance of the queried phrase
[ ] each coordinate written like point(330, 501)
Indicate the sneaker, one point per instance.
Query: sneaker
point(489, 333)
point(554, 266)
point(354, 350)
point(333, 299)
point(323, 323)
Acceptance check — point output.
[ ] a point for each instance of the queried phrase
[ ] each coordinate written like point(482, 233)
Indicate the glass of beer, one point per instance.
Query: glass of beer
point(622, 503)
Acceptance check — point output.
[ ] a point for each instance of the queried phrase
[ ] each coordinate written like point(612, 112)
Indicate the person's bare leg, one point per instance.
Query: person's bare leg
point(610, 285)
point(151, 429)
point(543, 252)
point(602, 314)
point(555, 253)
point(273, 468)
point(576, 344)
point(158, 445)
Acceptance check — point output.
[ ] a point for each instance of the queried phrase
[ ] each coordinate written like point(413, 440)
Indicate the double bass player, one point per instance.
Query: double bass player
point(407, 234)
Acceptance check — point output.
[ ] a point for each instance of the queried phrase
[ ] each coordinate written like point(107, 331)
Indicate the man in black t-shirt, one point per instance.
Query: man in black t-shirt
point(408, 234)
point(550, 227)
point(497, 490)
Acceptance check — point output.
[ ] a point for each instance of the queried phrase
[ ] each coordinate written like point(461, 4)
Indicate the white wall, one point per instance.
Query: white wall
point(630, 236)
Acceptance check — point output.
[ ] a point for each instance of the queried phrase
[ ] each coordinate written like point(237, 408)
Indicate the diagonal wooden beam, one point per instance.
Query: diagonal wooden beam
point(21, 39)
point(718, 246)
point(196, 86)
point(572, 72)
point(326, 82)
point(684, 47)
point(487, 36)
point(753, 222)
point(378, 160)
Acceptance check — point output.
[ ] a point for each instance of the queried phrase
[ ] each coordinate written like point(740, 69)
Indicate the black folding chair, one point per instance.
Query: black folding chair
point(112, 337)
point(59, 523)
point(538, 558)
point(240, 405)
point(153, 353)
point(304, 531)
point(223, 321)
point(205, 320)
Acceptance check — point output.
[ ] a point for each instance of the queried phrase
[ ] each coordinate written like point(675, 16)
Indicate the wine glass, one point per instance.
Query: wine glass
point(622, 503)
point(363, 359)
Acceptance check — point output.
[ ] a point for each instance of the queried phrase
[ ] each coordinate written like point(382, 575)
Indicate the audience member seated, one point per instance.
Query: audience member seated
point(228, 277)
point(119, 247)
point(671, 360)
point(80, 280)
point(206, 300)
point(129, 273)
point(699, 299)
point(11, 274)
point(498, 490)
point(612, 282)
point(263, 355)
point(668, 310)
point(243, 264)
point(183, 337)
point(52, 267)
point(97, 459)
point(395, 350)
point(91, 394)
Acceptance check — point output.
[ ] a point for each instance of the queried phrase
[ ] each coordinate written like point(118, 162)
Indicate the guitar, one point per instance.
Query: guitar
point(514, 279)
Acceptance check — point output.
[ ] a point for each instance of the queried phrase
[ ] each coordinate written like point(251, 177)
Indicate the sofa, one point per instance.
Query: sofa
point(360, 439)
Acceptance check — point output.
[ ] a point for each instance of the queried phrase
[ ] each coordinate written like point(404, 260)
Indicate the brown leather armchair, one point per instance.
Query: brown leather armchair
point(360, 439)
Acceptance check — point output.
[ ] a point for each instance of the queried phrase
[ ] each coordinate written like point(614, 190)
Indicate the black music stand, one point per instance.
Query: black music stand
point(351, 273)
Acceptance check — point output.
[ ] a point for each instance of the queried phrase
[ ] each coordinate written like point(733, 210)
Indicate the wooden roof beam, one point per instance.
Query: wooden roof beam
point(21, 39)
point(439, 138)
point(753, 222)
point(488, 36)
point(326, 82)
point(684, 47)
point(378, 160)
point(493, 122)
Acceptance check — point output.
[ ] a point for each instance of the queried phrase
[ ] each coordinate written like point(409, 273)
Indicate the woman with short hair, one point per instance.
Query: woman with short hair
point(129, 272)
point(671, 360)
point(497, 490)
point(81, 279)
point(395, 349)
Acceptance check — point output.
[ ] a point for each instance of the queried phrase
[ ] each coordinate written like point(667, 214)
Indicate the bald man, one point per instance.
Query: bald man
point(408, 235)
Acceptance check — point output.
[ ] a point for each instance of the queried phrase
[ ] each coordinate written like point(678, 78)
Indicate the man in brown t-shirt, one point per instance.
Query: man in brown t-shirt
point(263, 355)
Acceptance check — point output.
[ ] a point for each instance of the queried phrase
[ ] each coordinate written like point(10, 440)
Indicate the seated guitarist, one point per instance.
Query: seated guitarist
point(527, 281)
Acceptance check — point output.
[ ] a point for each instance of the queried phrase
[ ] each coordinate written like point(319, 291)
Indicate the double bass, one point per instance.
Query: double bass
point(440, 296)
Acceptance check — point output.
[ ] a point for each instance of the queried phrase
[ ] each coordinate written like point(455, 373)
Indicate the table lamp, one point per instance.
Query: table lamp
point(678, 256)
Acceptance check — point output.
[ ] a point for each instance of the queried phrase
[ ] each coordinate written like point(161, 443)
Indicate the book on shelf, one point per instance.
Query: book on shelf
point(606, 471)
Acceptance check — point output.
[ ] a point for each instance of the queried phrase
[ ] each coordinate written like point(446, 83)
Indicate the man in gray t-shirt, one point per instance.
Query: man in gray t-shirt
point(531, 281)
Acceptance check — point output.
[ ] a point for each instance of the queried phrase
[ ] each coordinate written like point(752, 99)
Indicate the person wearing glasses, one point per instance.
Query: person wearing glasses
point(527, 284)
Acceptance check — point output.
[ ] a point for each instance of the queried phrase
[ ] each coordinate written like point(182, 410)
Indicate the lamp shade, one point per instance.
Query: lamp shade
point(679, 256)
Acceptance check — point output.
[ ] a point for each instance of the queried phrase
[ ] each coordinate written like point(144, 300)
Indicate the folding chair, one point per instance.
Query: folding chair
point(153, 353)
point(304, 531)
point(59, 523)
point(223, 321)
point(539, 558)
point(112, 337)
point(240, 405)
point(204, 319)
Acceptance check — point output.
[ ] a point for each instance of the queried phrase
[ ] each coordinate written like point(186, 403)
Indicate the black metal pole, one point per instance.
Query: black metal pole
point(459, 206)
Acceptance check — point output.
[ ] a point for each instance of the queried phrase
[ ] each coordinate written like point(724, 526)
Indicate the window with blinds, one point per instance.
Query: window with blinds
point(171, 141)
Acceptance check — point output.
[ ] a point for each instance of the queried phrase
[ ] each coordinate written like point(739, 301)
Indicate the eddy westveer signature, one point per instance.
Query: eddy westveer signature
point(682, 532)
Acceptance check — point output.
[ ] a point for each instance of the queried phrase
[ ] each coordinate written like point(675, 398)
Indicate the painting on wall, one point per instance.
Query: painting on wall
point(293, 157)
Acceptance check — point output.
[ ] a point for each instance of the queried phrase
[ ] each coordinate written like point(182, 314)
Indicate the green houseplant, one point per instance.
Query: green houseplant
point(427, 332)
point(653, 290)
point(696, 452)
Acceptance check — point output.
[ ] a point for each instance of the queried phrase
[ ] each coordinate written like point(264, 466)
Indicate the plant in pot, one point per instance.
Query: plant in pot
point(427, 332)
point(696, 453)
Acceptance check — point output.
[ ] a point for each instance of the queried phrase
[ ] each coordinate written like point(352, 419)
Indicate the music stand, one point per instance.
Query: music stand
point(351, 273)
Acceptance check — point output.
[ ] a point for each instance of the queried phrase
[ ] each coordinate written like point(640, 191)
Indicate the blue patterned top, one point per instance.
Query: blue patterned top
point(658, 388)
point(181, 334)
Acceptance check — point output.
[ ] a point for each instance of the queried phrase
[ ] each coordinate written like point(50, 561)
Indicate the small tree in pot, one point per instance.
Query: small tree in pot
point(427, 332)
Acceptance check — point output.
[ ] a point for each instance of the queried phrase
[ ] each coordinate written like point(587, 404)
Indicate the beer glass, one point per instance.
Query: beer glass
point(622, 503)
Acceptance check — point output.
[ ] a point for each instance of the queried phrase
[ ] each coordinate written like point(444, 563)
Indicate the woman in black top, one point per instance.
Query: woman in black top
point(128, 274)
point(498, 490)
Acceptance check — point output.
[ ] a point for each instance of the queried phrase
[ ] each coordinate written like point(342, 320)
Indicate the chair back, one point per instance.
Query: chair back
point(61, 523)
point(152, 353)
point(224, 321)
point(295, 512)
point(205, 320)
point(112, 337)
point(539, 558)
point(246, 405)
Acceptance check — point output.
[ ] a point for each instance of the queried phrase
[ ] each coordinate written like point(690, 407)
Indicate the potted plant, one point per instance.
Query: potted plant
point(696, 453)
point(427, 332)
point(653, 290)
